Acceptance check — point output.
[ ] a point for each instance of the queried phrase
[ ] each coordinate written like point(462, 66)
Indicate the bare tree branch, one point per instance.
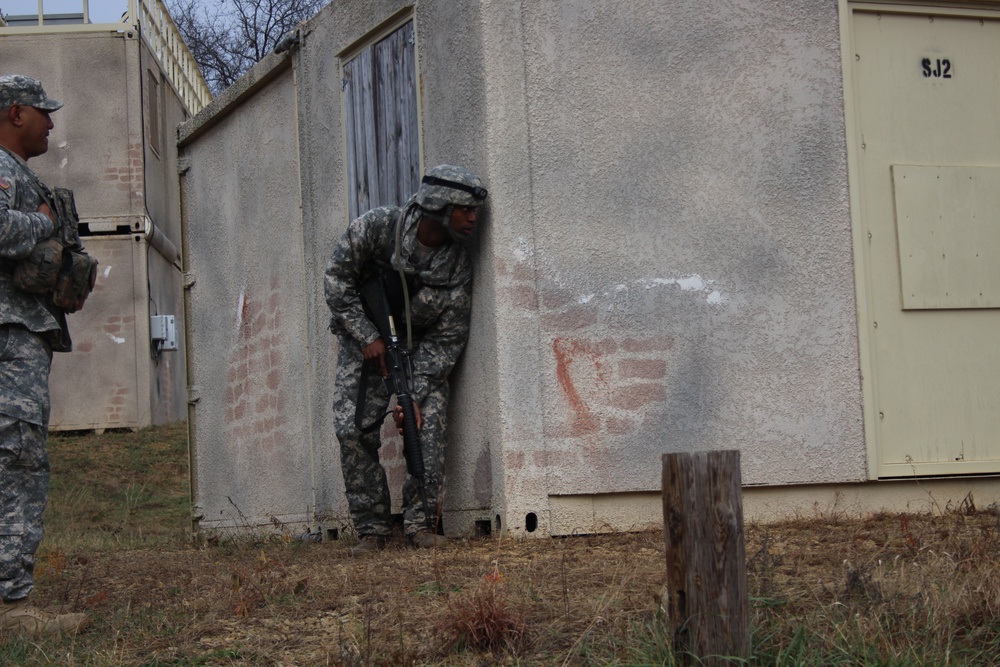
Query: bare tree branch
point(228, 37)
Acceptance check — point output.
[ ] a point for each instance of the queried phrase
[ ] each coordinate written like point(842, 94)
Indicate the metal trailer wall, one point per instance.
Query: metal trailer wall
point(165, 286)
point(664, 264)
point(111, 379)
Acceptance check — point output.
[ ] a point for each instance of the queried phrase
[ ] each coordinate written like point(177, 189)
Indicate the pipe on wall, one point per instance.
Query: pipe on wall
point(163, 245)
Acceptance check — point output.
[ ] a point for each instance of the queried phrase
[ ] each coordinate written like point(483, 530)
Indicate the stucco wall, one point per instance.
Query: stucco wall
point(91, 141)
point(161, 194)
point(685, 268)
point(664, 263)
point(249, 364)
point(454, 70)
point(451, 97)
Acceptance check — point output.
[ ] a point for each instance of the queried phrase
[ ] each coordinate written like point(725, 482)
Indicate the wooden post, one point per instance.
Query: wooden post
point(706, 604)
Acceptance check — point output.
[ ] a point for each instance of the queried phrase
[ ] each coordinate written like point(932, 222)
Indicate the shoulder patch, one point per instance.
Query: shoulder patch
point(4, 184)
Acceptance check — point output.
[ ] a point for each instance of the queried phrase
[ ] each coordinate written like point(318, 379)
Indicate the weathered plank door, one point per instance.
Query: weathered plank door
point(381, 126)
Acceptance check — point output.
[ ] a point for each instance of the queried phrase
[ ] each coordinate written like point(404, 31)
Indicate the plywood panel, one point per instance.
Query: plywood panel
point(948, 226)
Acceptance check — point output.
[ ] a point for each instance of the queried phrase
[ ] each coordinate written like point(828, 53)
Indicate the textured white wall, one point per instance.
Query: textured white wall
point(675, 271)
point(95, 140)
point(249, 357)
point(664, 262)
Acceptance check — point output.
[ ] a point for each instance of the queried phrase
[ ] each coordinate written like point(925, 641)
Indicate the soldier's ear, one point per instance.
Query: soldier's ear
point(16, 114)
point(13, 114)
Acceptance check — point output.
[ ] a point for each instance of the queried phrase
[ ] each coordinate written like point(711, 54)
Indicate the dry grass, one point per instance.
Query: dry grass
point(484, 619)
point(888, 589)
point(882, 590)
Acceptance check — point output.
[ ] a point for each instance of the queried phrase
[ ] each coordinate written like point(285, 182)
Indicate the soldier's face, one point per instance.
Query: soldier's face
point(463, 221)
point(36, 124)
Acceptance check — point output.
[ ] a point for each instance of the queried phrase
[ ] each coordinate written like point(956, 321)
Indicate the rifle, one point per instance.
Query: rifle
point(399, 380)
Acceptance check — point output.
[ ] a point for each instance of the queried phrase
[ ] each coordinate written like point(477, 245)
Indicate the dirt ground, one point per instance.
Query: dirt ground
point(561, 601)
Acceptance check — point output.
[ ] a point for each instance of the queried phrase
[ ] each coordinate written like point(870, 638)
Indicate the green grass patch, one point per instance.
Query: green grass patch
point(118, 489)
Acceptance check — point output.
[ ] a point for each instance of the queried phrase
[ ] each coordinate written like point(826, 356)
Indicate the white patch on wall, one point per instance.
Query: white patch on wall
point(107, 271)
point(116, 339)
point(63, 163)
point(523, 250)
point(239, 309)
point(692, 283)
point(63, 144)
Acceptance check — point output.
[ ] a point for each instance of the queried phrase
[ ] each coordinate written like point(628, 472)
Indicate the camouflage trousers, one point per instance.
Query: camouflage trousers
point(25, 359)
point(364, 477)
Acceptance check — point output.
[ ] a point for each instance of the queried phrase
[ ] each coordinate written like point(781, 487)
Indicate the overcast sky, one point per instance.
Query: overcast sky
point(101, 11)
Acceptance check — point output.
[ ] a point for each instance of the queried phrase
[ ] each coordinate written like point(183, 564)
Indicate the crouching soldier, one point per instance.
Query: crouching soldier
point(417, 253)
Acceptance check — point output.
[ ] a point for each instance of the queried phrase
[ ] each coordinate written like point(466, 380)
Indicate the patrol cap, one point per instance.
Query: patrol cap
point(23, 90)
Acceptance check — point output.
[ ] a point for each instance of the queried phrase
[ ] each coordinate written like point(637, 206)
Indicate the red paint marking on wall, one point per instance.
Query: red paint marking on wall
point(566, 352)
point(662, 344)
point(245, 324)
point(253, 394)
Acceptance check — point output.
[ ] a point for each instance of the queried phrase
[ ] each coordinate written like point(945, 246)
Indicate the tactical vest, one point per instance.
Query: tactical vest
point(58, 267)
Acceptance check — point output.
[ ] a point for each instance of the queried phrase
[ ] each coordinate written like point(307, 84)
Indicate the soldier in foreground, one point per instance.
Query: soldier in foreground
point(31, 328)
point(422, 242)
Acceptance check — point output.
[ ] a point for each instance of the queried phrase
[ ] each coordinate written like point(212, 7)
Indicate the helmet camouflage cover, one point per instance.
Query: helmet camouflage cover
point(448, 185)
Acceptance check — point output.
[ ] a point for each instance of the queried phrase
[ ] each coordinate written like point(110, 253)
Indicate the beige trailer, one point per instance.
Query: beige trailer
point(125, 87)
point(746, 224)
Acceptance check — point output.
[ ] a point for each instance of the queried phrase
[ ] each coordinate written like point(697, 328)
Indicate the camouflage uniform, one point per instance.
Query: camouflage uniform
point(29, 331)
point(440, 312)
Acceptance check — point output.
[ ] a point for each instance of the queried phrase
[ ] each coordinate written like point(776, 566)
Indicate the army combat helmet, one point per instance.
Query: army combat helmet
point(446, 186)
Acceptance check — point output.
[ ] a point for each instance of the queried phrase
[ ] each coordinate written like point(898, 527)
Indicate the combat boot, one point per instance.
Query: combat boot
point(22, 618)
point(425, 539)
point(369, 544)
